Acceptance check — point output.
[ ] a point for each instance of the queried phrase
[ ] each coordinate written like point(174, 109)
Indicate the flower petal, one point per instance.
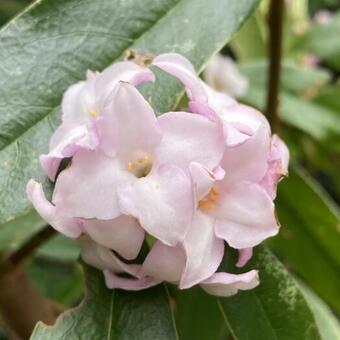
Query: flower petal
point(129, 126)
point(74, 110)
point(114, 281)
point(103, 258)
point(203, 180)
point(162, 202)
point(122, 234)
point(278, 166)
point(226, 284)
point(189, 138)
point(248, 160)
point(64, 143)
point(164, 263)
point(204, 251)
point(62, 223)
point(241, 122)
point(223, 75)
point(125, 71)
point(87, 189)
point(244, 255)
point(181, 68)
point(245, 216)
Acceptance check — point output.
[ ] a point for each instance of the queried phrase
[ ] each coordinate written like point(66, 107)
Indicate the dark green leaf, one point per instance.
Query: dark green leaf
point(53, 43)
point(276, 309)
point(60, 248)
point(113, 314)
point(59, 281)
point(198, 316)
point(309, 239)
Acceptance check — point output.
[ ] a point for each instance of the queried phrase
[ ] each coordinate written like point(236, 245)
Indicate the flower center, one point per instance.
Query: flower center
point(93, 113)
point(209, 201)
point(141, 167)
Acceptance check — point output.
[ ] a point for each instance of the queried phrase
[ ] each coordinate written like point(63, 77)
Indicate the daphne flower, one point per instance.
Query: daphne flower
point(192, 180)
point(140, 168)
point(82, 106)
point(223, 75)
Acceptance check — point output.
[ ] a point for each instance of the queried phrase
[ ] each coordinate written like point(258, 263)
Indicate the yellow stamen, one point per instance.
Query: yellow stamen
point(93, 113)
point(140, 167)
point(209, 201)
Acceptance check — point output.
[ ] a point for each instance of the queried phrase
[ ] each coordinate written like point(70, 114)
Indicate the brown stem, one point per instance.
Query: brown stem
point(14, 259)
point(21, 306)
point(275, 22)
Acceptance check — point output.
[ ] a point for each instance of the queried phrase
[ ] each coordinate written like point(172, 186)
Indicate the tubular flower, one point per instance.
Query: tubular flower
point(194, 180)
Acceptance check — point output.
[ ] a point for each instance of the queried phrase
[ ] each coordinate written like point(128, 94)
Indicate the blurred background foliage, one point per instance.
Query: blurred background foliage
point(308, 201)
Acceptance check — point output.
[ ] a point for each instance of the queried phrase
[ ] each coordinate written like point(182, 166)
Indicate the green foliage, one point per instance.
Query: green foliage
point(320, 122)
point(323, 40)
point(309, 238)
point(194, 307)
point(52, 44)
point(276, 309)
point(89, 35)
point(328, 325)
point(60, 281)
point(113, 314)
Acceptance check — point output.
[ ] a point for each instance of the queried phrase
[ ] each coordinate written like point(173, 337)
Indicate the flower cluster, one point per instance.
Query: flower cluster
point(189, 181)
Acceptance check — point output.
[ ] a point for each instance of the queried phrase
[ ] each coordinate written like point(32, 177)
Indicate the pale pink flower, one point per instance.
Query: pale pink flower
point(140, 168)
point(223, 75)
point(82, 106)
point(193, 180)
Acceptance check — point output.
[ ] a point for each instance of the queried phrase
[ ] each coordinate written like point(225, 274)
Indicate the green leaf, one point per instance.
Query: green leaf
point(14, 233)
point(295, 79)
point(322, 123)
point(323, 40)
point(113, 314)
point(309, 238)
point(249, 42)
point(198, 317)
point(60, 248)
point(328, 325)
point(329, 97)
point(58, 281)
point(276, 309)
point(53, 43)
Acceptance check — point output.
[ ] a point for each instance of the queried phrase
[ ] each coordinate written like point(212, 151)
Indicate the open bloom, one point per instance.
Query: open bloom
point(223, 75)
point(82, 107)
point(139, 169)
point(192, 180)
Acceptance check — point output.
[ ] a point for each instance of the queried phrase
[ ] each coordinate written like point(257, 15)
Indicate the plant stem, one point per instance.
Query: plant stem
point(22, 306)
point(275, 23)
point(14, 259)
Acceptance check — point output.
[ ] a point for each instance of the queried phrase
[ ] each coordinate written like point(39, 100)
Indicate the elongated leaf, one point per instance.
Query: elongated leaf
point(328, 325)
point(276, 309)
point(198, 316)
point(53, 43)
point(113, 314)
point(309, 239)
